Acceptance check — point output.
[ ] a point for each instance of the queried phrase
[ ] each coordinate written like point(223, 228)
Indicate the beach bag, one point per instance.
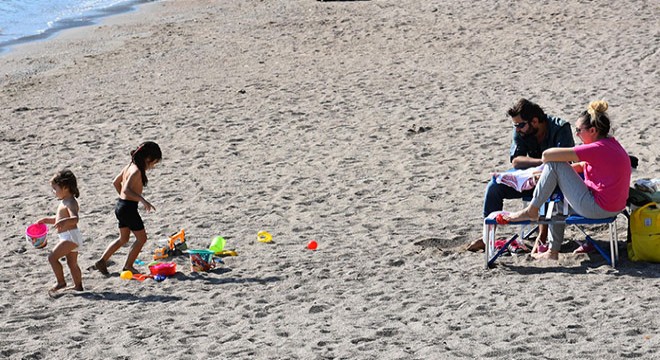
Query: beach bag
point(644, 229)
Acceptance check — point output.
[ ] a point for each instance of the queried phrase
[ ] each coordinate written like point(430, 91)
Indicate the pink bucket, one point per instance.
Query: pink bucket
point(36, 235)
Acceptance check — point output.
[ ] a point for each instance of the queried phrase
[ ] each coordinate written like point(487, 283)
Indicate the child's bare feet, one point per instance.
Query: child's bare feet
point(55, 288)
point(58, 286)
point(102, 267)
point(548, 255)
point(131, 269)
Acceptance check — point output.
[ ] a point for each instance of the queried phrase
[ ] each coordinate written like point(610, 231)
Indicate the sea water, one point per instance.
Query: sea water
point(28, 20)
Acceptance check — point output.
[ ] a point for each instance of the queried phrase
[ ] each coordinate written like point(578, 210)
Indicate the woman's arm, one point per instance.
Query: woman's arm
point(559, 154)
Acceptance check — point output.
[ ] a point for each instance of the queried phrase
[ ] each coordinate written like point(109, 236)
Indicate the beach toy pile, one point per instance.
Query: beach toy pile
point(36, 235)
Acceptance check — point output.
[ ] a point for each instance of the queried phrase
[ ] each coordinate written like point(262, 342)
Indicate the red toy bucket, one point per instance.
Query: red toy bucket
point(165, 269)
point(36, 235)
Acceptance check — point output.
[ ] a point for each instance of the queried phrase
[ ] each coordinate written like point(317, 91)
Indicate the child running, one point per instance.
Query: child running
point(65, 187)
point(129, 184)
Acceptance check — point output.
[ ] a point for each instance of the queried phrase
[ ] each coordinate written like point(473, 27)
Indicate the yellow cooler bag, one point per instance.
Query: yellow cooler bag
point(645, 234)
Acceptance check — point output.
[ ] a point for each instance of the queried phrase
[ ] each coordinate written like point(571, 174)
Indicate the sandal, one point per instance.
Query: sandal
point(584, 248)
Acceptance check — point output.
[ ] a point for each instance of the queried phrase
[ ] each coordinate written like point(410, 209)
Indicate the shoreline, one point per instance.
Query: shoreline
point(89, 18)
point(303, 118)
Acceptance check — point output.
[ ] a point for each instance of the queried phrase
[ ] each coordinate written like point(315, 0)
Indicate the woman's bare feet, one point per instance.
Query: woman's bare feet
point(529, 213)
point(548, 255)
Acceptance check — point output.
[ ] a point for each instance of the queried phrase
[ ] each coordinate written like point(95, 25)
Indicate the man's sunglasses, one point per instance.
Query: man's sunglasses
point(520, 125)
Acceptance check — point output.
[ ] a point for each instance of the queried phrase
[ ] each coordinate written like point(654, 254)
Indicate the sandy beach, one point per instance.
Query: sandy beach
point(371, 127)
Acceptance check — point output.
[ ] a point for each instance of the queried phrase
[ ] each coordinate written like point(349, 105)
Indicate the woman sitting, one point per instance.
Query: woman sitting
point(606, 168)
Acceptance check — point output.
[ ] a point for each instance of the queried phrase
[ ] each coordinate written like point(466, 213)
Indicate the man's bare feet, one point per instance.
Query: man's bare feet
point(102, 267)
point(529, 213)
point(476, 245)
point(548, 255)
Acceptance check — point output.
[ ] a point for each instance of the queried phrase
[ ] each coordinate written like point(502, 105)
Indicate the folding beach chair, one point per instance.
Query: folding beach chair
point(490, 227)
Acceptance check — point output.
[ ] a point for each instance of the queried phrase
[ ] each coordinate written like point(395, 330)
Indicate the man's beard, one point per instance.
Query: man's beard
point(532, 131)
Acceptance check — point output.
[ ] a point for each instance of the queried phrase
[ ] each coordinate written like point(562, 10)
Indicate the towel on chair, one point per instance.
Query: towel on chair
point(520, 180)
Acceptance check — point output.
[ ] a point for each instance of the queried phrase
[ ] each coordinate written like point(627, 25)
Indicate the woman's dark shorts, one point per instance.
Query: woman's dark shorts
point(128, 216)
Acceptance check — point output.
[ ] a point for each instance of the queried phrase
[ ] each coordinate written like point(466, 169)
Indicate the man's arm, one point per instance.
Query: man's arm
point(518, 154)
point(524, 162)
point(563, 139)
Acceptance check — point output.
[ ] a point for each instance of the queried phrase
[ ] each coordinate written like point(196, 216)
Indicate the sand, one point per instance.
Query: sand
point(304, 118)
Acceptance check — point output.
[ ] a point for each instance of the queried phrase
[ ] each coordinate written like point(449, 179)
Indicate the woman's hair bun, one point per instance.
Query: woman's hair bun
point(598, 106)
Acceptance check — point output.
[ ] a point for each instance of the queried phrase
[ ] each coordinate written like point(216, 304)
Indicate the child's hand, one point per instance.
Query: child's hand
point(46, 220)
point(59, 226)
point(148, 206)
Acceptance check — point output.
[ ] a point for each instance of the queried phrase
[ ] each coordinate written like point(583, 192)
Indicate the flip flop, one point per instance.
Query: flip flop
point(584, 248)
point(515, 248)
point(500, 243)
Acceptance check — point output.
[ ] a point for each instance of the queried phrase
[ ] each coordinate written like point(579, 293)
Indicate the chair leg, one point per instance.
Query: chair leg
point(616, 241)
point(614, 249)
point(485, 239)
point(489, 241)
point(602, 252)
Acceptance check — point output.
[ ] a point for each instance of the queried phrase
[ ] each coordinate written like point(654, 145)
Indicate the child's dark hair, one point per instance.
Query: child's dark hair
point(147, 151)
point(66, 179)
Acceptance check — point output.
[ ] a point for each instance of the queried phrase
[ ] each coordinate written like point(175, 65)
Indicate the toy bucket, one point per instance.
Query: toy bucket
point(201, 260)
point(218, 244)
point(36, 235)
point(164, 269)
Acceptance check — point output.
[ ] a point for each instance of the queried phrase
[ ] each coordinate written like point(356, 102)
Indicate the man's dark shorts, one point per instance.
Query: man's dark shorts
point(128, 216)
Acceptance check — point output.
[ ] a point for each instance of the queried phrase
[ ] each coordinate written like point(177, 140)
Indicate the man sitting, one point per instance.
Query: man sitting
point(533, 132)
